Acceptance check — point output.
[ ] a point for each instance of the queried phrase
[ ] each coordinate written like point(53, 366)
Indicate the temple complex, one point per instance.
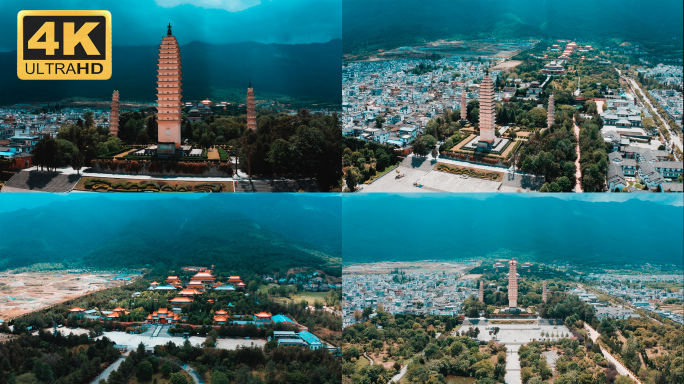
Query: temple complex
point(512, 284)
point(550, 112)
point(487, 113)
point(169, 96)
point(114, 114)
point(464, 106)
point(251, 109)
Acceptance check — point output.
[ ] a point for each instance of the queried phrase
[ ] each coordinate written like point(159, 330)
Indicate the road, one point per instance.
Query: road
point(578, 170)
point(193, 373)
point(594, 335)
point(105, 374)
point(676, 140)
point(397, 378)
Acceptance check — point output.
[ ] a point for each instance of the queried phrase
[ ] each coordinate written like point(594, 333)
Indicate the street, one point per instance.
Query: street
point(676, 140)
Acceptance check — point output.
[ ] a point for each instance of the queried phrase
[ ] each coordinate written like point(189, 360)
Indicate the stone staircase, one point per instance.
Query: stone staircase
point(37, 181)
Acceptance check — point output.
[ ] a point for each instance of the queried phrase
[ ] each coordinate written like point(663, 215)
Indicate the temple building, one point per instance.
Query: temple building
point(162, 316)
point(251, 109)
point(173, 281)
point(262, 319)
point(189, 292)
point(220, 317)
point(550, 112)
point(196, 285)
point(180, 301)
point(204, 278)
point(78, 311)
point(114, 114)
point(512, 284)
point(464, 106)
point(487, 113)
point(545, 292)
point(169, 96)
point(553, 68)
point(481, 293)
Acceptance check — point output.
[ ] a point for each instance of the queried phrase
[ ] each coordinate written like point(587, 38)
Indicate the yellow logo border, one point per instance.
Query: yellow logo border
point(107, 70)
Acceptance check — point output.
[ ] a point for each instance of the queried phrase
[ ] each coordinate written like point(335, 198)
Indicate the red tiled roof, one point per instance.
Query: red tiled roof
point(181, 300)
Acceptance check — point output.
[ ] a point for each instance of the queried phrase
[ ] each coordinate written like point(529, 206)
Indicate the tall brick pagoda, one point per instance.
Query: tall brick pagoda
point(464, 106)
point(550, 113)
point(513, 284)
point(168, 96)
point(480, 295)
point(251, 109)
point(487, 112)
point(114, 114)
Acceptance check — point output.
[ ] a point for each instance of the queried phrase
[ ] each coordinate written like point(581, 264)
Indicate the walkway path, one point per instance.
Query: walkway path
point(513, 365)
point(369, 358)
point(578, 170)
point(594, 335)
point(125, 153)
point(105, 374)
point(193, 373)
point(397, 378)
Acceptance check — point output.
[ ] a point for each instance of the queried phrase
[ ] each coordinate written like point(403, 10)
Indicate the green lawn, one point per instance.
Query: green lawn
point(362, 362)
point(310, 297)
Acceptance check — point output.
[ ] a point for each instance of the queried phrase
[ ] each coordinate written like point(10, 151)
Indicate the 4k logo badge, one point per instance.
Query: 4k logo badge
point(64, 45)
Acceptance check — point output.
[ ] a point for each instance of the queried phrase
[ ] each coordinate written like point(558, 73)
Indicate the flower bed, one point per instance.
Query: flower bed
point(458, 170)
point(97, 184)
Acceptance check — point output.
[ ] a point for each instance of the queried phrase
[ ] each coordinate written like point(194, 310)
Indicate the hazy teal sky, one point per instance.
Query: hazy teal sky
point(588, 229)
point(143, 22)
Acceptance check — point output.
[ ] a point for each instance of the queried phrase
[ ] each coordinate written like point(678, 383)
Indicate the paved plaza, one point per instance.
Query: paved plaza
point(514, 335)
point(163, 337)
point(419, 176)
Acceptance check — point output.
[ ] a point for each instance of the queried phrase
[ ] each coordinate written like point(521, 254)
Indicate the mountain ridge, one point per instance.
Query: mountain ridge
point(308, 73)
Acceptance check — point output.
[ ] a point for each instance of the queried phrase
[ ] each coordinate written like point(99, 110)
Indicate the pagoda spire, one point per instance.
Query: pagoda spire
point(168, 33)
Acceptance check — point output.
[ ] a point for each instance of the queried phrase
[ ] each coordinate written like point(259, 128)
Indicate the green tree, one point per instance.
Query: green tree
point(77, 161)
point(350, 178)
point(145, 371)
point(283, 156)
point(622, 379)
point(564, 183)
point(178, 378)
point(43, 371)
point(166, 369)
point(424, 144)
point(219, 378)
